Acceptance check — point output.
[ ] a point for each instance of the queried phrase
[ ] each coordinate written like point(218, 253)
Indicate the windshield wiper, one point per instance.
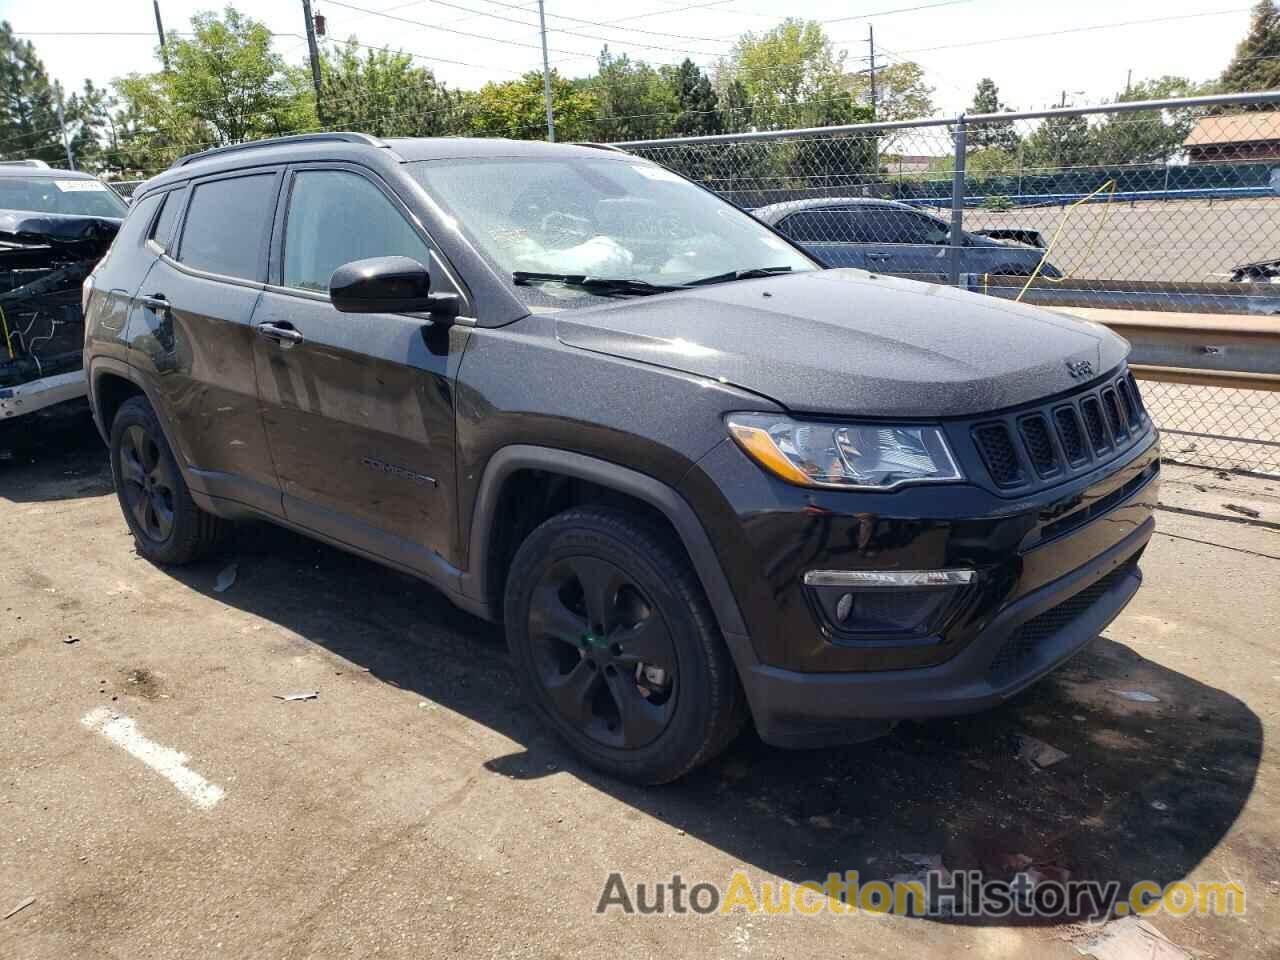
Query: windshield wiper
point(749, 274)
point(601, 285)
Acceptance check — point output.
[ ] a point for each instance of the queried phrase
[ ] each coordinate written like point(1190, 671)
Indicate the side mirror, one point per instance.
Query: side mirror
point(388, 285)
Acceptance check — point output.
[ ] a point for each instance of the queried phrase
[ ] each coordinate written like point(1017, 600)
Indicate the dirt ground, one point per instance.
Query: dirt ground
point(413, 809)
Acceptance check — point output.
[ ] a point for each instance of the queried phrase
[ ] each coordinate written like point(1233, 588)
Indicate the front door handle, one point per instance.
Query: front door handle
point(282, 333)
point(157, 301)
point(878, 256)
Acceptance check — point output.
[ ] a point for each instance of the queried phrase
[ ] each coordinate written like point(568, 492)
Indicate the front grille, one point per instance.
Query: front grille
point(1016, 652)
point(998, 452)
point(1072, 435)
point(1069, 431)
point(1092, 411)
point(1112, 406)
point(1035, 434)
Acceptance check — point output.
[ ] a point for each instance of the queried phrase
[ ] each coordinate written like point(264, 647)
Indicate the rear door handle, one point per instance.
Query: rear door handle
point(878, 256)
point(157, 301)
point(281, 333)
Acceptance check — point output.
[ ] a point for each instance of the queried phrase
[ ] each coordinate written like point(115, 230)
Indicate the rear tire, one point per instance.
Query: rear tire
point(616, 648)
point(167, 525)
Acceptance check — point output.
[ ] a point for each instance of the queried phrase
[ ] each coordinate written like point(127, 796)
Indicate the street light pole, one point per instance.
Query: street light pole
point(546, 76)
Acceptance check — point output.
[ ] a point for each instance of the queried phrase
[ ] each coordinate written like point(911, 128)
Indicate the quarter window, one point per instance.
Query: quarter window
point(226, 226)
point(162, 231)
point(336, 217)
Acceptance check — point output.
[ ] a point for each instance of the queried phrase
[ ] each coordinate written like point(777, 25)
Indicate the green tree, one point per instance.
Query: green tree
point(696, 100)
point(793, 77)
point(28, 106)
point(901, 91)
point(225, 85)
point(384, 94)
point(1256, 64)
point(516, 109)
point(1059, 141)
point(999, 134)
point(635, 101)
point(1147, 136)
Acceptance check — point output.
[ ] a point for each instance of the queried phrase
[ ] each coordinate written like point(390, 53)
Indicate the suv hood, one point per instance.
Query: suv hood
point(850, 342)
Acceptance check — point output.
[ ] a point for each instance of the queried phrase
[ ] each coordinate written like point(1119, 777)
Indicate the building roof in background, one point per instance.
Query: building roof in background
point(1237, 128)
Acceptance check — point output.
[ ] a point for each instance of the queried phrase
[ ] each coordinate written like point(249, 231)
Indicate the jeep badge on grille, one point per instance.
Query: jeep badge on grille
point(1079, 369)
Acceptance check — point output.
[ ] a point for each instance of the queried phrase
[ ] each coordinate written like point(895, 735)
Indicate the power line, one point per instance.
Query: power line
point(462, 33)
point(614, 23)
point(526, 23)
point(1069, 30)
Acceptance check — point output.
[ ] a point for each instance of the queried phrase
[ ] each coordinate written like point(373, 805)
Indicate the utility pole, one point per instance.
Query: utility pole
point(164, 51)
point(62, 125)
point(1128, 83)
point(546, 76)
point(1063, 104)
point(871, 41)
point(315, 56)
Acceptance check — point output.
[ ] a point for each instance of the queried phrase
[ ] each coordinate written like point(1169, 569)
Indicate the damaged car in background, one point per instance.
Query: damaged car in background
point(55, 226)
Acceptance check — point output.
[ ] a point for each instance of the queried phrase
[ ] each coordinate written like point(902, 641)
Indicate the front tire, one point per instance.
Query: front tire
point(616, 647)
point(167, 525)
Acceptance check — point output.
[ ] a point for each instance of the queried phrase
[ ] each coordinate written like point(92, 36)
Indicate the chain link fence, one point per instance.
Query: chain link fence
point(1167, 206)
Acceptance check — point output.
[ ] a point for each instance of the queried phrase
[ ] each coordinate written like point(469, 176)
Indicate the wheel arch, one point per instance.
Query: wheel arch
point(486, 571)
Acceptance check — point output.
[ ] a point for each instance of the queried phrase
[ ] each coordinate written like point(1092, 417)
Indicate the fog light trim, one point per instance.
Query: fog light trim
point(888, 579)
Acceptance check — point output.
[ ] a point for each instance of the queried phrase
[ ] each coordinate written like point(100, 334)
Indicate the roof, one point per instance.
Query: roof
point(1236, 128)
point(776, 211)
point(47, 173)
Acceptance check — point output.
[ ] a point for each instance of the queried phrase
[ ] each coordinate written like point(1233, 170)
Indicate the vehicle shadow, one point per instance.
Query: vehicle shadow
point(53, 454)
point(1146, 791)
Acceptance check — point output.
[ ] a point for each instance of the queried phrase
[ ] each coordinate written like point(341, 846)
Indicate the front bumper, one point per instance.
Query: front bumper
point(38, 394)
point(1053, 568)
point(1025, 641)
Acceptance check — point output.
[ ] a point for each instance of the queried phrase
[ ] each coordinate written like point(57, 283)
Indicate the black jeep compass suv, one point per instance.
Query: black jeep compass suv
point(699, 478)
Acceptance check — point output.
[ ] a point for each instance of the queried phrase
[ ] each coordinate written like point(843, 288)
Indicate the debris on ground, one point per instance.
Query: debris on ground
point(1038, 753)
point(821, 822)
point(71, 638)
point(21, 906)
point(1131, 938)
point(1136, 696)
point(1159, 806)
point(308, 695)
point(226, 578)
point(1243, 511)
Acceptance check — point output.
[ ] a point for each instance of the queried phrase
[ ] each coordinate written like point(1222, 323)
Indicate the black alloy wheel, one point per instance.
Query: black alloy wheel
point(616, 647)
point(603, 652)
point(148, 488)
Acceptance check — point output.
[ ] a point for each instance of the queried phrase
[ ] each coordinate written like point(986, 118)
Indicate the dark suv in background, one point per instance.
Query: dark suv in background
point(697, 477)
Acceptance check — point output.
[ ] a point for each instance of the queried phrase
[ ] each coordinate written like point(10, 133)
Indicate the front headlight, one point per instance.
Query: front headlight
point(868, 456)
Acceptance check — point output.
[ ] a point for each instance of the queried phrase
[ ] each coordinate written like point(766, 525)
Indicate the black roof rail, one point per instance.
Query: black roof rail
point(341, 137)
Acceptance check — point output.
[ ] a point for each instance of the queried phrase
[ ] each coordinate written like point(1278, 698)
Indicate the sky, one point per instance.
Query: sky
point(1035, 51)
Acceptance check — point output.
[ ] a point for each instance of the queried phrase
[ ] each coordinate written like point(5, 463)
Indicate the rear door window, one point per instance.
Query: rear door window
point(824, 226)
point(228, 224)
point(336, 217)
point(903, 226)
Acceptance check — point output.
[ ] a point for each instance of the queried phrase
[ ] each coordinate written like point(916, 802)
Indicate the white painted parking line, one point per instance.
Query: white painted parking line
point(170, 764)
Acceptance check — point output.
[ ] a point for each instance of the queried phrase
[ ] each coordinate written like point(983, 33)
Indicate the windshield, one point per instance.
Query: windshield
point(82, 197)
point(606, 217)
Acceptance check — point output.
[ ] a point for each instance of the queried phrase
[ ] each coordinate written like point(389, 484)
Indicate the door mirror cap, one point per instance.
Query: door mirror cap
point(388, 285)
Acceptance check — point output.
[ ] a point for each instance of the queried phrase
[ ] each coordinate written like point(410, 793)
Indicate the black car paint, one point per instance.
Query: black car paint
point(630, 395)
